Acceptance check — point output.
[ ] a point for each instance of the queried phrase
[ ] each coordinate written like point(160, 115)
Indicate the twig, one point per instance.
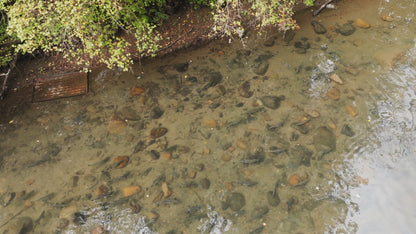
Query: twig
point(6, 76)
point(322, 7)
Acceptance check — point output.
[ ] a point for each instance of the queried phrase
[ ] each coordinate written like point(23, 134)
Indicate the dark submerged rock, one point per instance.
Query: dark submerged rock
point(235, 201)
point(346, 29)
point(300, 155)
point(318, 27)
point(346, 130)
point(324, 141)
point(158, 132)
point(244, 90)
point(213, 79)
point(272, 102)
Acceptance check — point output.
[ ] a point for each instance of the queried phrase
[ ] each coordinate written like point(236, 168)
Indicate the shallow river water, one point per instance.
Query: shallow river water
point(306, 133)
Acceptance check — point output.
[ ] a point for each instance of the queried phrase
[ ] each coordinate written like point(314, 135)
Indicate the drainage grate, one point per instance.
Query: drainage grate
point(59, 86)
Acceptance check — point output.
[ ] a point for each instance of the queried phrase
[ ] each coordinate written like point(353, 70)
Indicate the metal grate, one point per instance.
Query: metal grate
point(59, 86)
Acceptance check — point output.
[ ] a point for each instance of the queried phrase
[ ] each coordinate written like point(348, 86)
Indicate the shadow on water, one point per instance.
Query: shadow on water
point(314, 133)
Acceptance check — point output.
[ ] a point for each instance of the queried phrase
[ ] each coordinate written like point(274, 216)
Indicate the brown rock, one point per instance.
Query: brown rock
point(333, 93)
point(294, 180)
point(166, 190)
point(313, 113)
point(136, 91)
point(241, 145)
point(226, 157)
point(153, 215)
point(210, 122)
point(158, 132)
point(387, 18)
point(334, 77)
point(228, 185)
point(167, 155)
point(361, 23)
point(192, 174)
point(351, 110)
point(131, 190)
point(116, 126)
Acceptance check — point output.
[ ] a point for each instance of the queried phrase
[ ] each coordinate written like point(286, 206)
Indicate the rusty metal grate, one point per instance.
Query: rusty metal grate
point(59, 86)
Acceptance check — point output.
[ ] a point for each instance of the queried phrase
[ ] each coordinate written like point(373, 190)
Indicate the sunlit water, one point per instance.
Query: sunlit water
point(287, 151)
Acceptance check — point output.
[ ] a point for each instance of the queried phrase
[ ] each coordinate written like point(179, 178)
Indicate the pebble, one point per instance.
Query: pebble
point(242, 145)
point(361, 23)
point(131, 190)
point(324, 141)
point(122, 161)
point(236, 201)
point(226, 157)
point(116, 126)
point(166, 190)
point(205, 183)
point(313, 113)
point(346, 130)
point(210, 122)
point(228, 185)
point(136, 91)
point(272, 102)
point(318, 27)
point(99, 230)
point(103, 190)
point(387, 18)
point(294, 180)
point(244, 90)
point(346, 29)
point(333, 93)
point(153, 215)
point(167, 155)
point(334, 77)
point(351, 110)
point(158, 132)
point(192, 174)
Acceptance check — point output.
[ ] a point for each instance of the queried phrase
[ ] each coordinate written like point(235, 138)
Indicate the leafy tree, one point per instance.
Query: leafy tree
point(91, 30)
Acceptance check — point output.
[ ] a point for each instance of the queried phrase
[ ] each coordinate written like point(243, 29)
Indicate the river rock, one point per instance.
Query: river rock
point(158, 132)
point(212, 78)
point(300, 155)
point(156, 112)
point(128, 113)
point(361, 23)
point(236, 201)
point(21, 225)
point(272, 102)
point(351, 110)
point(333, 93)
point(347, 131)
point(181, 67)
point(346, 29)
point(324, 141)
point(244, 90)
point(260, 67)
point(116, 126)
point(318, 27)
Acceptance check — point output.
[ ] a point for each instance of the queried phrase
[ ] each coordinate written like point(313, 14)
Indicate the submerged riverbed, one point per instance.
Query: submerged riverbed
point(312, 132)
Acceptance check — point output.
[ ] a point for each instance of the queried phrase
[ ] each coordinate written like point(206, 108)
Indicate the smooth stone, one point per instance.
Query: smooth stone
point(300, 155)
point(158, 132)
point(116, 126)
point(127, 113)
point(156, 112)
point(324, 141)
point(346, 130)
point(333, 93)
point(273, 199)
point(261, 67)
point(351, 110)
point(272, 102)
point(244, 90)
point(346, 29)
point(205, 183)
point(236, 201)
point(259, 212)
point(361, 23)
point(318, 27)
point(213, 79)
point(288, 36)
